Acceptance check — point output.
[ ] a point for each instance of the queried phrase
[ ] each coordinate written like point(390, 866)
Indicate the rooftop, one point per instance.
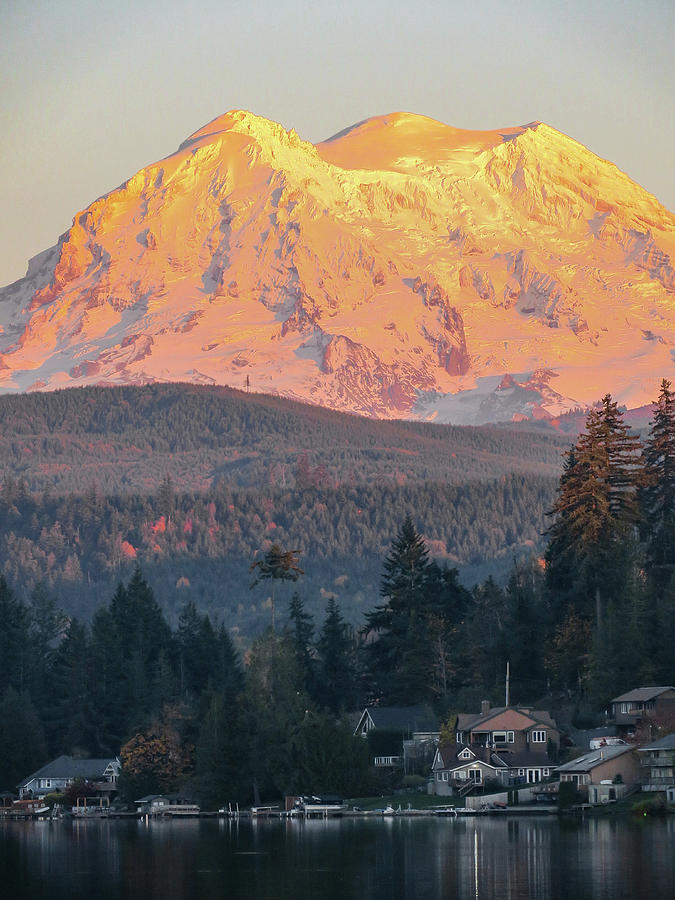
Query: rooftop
point(589, 761)
point(664, 743)
point(70, 767)
point(643, 694)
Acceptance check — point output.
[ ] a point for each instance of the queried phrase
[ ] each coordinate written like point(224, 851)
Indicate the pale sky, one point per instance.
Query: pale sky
point(92, 90)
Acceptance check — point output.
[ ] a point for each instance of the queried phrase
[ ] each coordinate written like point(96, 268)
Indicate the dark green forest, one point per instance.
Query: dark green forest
point(193, 706)
point(192, 482)
point(129, 439)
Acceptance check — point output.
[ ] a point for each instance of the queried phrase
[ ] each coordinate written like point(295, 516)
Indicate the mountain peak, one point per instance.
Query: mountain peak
point(402, 267)
point(240, 121)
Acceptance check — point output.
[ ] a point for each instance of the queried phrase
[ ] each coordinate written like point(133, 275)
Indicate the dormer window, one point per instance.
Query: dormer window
point(465, 754)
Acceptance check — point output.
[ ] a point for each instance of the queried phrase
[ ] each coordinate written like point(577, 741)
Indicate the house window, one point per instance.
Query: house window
point(544, 773)
point(538, 737)
point(521, 771)
point(499, 737)
point(460, 737)
point(461, 775)
point(445, 776)
point(439, 776)
point(510, 737)
point(465, 754)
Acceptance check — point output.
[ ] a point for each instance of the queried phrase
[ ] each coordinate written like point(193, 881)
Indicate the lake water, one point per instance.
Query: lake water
point(425, 858)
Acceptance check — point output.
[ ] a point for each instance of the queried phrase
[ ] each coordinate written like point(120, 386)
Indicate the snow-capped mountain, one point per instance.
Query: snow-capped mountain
point(402, 268)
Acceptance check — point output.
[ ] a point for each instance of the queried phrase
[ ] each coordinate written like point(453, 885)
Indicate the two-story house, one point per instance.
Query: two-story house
point(514, 729)
point(511, 744)
point(657, 762)
point(633, 709)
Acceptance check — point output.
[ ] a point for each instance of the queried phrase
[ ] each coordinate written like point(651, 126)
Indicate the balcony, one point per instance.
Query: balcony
point(656, 760)
point(388, 761)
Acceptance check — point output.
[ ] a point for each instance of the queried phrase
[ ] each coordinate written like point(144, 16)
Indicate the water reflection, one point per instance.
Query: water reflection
point(323, 859)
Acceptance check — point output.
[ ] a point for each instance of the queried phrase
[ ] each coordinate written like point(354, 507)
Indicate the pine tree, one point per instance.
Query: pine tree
point(658, 505)
point(22, 741)
point(301, 628)
point(71, 718)
point(595, 514)
point(276, 565)
point(336, 681)
point(398, 657)
point(16, 649)
point(658, 495)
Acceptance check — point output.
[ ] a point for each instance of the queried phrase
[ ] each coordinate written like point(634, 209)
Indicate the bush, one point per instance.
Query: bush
point(414, 782)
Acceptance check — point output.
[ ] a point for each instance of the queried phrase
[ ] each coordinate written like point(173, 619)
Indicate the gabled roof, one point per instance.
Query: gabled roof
point(589, 761)
point(69, 767)
point(449, 756)
point(525, 759)
point(643, 694)
point(401, 718)
point(470, 722)
point(664, 743)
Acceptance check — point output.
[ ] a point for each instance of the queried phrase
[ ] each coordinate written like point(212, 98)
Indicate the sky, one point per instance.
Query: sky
point(90, 92)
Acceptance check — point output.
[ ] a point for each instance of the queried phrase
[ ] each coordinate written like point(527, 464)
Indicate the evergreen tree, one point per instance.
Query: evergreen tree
point(595, 513)
point(71, 718)
point(274, 710)
point(47, 625)
point(398, 657)
point(15, 640)
point(110, 686)
point(276, 565)
point(145, 640)
point(22, 742)
point(301, 628)
point(525, 629)
point(336, 681)
point(658, 495)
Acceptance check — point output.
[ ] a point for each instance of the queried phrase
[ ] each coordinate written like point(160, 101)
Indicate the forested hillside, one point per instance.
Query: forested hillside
point(201, 545)
point(171, 695)
point(194, 482)
point(129, 439)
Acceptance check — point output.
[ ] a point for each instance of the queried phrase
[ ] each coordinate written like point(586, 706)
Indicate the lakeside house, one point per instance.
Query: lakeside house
point(606, 774)
point(458, 768)
point(61, 772)
point(399, 735)
point(508, 728)
point(641, 705)
point(508, 744)
point(657, 762)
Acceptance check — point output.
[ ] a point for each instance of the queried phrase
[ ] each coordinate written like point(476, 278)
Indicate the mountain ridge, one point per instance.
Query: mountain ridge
point(402, 268)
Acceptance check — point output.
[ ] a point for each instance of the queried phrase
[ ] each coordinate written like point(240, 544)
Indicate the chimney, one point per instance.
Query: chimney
point(484, 707)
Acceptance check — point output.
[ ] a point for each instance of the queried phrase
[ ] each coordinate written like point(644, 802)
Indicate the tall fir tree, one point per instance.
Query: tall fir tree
point(397, 654)
point(595, 513)
point(301, 630)
point(658, 506)
point(337, 681)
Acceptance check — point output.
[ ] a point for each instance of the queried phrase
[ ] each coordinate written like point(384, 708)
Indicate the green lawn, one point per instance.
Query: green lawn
point(416, 801)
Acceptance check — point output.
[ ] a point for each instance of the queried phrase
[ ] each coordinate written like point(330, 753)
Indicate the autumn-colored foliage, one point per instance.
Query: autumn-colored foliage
point(158, 759)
